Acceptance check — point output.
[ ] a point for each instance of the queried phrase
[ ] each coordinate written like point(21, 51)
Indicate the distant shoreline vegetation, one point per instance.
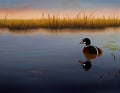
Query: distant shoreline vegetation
point(58, 23)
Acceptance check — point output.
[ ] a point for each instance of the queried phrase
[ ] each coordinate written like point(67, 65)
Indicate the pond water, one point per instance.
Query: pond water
point(47, 61)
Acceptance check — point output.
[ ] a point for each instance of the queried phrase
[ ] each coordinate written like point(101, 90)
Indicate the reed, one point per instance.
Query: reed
point(55, 22)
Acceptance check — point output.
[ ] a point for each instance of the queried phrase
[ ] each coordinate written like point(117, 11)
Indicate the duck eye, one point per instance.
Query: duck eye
point(84, 42)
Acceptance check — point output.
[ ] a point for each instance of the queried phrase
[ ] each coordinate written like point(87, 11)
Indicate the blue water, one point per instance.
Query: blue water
point(47, 62)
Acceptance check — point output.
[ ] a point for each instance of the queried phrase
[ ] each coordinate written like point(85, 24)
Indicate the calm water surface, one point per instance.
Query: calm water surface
point(45, 61)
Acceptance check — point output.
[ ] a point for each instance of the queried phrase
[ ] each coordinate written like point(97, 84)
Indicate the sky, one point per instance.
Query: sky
point(20, 7)
point(59, 4)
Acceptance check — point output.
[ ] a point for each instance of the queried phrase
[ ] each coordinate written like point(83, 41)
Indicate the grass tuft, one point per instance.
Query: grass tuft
point(57, 23)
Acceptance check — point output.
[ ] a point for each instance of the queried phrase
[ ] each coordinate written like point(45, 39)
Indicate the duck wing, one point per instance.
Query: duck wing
point(100, 52)
point(92, 50)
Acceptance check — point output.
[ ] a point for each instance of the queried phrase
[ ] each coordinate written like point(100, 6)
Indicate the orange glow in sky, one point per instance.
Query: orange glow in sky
point(37, 13)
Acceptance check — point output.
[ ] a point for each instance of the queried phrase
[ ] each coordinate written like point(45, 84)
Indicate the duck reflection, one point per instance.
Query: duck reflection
point(90, 52)
point(86, 65)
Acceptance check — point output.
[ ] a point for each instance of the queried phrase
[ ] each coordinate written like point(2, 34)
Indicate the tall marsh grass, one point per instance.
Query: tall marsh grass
point(58, 23)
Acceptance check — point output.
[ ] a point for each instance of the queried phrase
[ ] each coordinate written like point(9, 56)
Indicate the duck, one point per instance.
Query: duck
point(90, 51)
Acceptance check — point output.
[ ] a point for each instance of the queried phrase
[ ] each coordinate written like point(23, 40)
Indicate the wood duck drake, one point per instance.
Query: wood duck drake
point(89, 49)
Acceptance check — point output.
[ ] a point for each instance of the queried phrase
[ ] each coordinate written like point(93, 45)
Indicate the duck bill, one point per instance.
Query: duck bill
point(81, 62)
point(81, 42)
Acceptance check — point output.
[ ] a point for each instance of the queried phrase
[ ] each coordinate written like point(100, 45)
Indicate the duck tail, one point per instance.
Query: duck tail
point(100, 52)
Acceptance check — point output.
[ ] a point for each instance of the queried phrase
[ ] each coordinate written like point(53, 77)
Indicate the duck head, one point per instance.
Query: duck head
point(86, 41)
point(86, 65)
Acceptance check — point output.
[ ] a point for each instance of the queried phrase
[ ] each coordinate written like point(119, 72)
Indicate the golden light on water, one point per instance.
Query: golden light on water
point(39, 13)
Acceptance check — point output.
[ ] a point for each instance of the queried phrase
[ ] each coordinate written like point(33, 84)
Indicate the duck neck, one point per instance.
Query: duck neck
point(87, 45)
